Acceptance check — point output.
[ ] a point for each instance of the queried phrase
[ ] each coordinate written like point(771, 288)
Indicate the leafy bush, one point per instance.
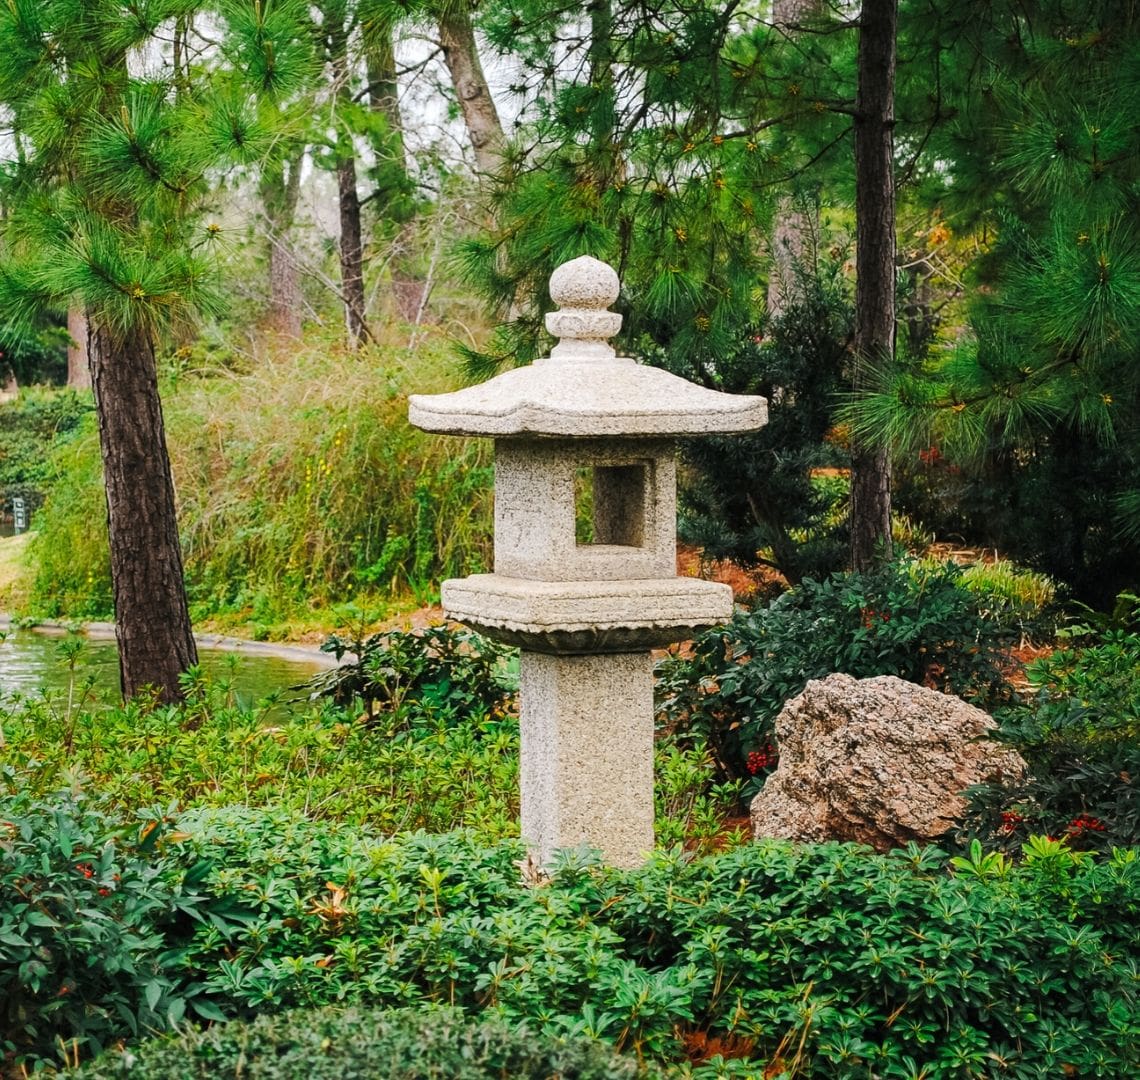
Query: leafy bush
point(29, 426)
point(912, 620)
point(754, 492)
point(1081, 740)
point(433, 774)
point(840, 962)
point(439, 669)
point(84, 908)
point(358, 1043)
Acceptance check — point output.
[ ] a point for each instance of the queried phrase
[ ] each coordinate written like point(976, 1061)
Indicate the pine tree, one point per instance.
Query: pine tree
point(1039, 147)
point(106, 200)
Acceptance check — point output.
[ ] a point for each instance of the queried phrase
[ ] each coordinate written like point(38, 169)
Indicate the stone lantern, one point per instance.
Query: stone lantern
point(586, 606)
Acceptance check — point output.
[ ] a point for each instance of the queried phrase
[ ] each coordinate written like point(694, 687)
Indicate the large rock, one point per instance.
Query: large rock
point(879, 761)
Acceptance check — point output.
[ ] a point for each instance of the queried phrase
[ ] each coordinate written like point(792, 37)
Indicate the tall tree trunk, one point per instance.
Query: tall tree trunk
point(795, 224)
point(279, 188)
point(457, 38)
point(348, 199)
point(351, 250)
point(874, 268)
point(152, 623)
point(393, 187)
point(78, 369)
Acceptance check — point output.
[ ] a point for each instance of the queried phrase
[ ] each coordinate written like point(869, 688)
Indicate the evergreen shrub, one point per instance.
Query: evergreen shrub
point(437, 668)
point(84, 914)
point(913, 620)
point(1080, 735)
point(360, 1043)
point(842, 962)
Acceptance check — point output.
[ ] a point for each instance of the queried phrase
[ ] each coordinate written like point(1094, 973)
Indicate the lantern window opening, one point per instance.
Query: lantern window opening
point(612, 504)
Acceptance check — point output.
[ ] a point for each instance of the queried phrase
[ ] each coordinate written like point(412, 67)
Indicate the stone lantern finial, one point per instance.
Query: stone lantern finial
point(584, 288)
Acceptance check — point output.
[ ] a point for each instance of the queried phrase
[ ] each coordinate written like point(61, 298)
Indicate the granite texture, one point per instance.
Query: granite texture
point(586, 769)
point(879, 761)
point(635, 499)
point(582, 390)
point(586, 616)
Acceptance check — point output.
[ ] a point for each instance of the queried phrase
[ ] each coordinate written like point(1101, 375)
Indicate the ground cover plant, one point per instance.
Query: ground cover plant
point(441, 754)
point(822, 961)
point(915, 620)
point(366, 1044)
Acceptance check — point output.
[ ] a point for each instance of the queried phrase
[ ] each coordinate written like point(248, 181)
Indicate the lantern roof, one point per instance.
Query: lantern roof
point(583, 389)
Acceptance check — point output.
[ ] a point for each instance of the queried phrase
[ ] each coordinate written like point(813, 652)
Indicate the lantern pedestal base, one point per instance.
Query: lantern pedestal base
point(586, 767)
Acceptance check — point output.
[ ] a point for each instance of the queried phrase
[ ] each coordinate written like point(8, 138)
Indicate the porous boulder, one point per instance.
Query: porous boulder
point(879, 761)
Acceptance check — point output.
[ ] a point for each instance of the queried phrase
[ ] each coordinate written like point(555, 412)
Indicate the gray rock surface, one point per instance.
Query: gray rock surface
point(879, 761)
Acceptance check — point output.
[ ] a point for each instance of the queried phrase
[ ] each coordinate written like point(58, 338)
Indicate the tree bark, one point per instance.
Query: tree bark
point(874, 268)
point(351, 250)
point(152, 623)
point(795, 224)
point(460, 53)
point(279, 188)
point(348, 199)
point(78, 369)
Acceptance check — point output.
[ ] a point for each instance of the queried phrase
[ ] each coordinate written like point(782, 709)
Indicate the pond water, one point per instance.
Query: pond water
point(31, 662)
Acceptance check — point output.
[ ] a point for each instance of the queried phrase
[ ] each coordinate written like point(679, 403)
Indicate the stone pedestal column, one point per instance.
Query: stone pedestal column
point(586, 766)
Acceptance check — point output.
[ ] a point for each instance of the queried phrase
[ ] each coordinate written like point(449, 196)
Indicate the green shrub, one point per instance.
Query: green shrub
point(456, 671)
point(912, 620)
point(405, 770)
point(30, 427)
point(864, 962)
point(84, 908)
point(1081, 739)
point(436, 759)
point(358, 1043)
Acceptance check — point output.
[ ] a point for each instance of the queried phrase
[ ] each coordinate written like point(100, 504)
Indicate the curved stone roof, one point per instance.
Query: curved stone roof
point(582, 389)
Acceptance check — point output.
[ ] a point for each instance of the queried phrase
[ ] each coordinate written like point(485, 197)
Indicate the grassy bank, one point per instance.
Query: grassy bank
point(305, 498)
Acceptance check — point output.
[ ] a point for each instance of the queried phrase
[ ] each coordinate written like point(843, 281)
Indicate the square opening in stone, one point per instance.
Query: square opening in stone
point(609, 504)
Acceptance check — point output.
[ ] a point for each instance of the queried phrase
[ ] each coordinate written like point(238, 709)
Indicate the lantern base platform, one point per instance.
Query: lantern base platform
point(573, 617)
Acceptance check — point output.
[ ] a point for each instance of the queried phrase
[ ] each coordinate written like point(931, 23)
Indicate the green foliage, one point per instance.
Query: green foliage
point(84, 909)
point(424, 769)
point(1081, 739)
point(860, 961)
point(753, 493)
point(358, 1043)
point(653, 141)
point(30, 427)
point(442, 754)
point(440, 670)
point(913, 620)
point(69, 554)
point(1038, 403)
point(300, 483)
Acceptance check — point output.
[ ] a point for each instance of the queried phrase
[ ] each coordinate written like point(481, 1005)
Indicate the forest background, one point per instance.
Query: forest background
point(294, 214)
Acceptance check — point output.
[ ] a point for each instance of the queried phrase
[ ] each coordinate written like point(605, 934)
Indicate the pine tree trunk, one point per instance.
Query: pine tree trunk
point(280, 188)
point(152, 623)
point(457, 38)
point(383, 97)
point(874, 268)
point(348, 199)
point(78, 369)
point(795, 225)
point(351, 250)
